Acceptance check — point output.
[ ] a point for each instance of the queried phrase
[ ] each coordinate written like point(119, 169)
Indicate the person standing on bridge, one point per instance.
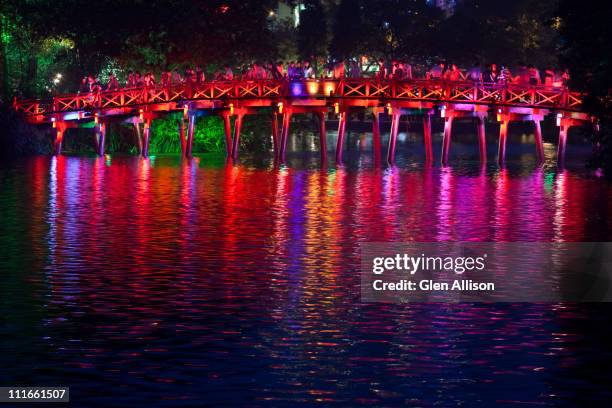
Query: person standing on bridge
point(475, 73)
point(492, 74)
point(397, 73)
point(91, 81)
point(130, 82)
point(228, 74)
point(189, 76)
point(565, 78)
point(84, 87)
point(534, 75)
point(437, 71)
point(200, 77)
point(256, 72)
point(249, 75)
point(137, 80)
point(166, 81)
point(407, 68)
point(522, 77)
point(454, 74)
point(177, 79)
point(166, 78)
point(309, 72)
point(382, 70)
point(354, 69)
point(189, 81)
point(549, 77)
point(290, 70)
point(96, 88)
point(273, 71)
point(149, 80)
point(113, 84)
point(505, 76)
point(339, 72)
point(280, 67)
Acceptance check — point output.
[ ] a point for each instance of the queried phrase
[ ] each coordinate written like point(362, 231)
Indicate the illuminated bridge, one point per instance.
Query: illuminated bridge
point(321, 97)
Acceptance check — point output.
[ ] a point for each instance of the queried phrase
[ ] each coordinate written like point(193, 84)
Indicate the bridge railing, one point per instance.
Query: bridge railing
point(360, 88)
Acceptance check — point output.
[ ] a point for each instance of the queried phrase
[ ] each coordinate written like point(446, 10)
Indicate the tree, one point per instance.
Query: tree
point(136, 34)
point(518, 31)
point(585, 49)
point(349, 30)
point(312, 31)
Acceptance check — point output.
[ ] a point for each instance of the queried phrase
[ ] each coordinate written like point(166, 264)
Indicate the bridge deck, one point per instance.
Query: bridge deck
point(364, 92)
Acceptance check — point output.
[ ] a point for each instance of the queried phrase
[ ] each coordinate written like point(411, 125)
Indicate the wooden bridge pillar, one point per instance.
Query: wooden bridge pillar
point(136, 124)
point(341, 134)
point(482, 139)
point(503, 135)
point(237, 128)
point(376, 146)
point(100, 138)
point(181, 128)
point(191, 117)
point(275, 141)
point(538, 141)
point(58, 138)
point(322, 136)
point(227, 129)
point(285, 133)
point(146, 133)
point(564, 126)
point(446, 141)
point(395, 118)
point(427, 137)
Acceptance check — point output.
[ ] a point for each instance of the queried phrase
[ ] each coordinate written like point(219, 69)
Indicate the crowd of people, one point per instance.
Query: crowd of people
point(524, 75)
point(527, 75)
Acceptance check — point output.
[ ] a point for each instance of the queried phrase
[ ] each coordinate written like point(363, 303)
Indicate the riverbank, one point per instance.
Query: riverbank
point(18, 138)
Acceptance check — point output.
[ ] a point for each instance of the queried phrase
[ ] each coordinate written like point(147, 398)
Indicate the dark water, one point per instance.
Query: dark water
point(167, 282)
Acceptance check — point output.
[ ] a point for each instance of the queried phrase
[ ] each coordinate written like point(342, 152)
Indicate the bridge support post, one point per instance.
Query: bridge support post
point(136, 123)
point(146, 133)
point(227, 129)
point(503, 135)
point(393, 137)
point(446, 141)
point(100, 137)
point(482, 139)
point(538, 141)
point(58, 138)
point(237, 128)
point(181, 128)
point(427, 138)
point(322, 136)
point(341, 134)
point(190, 131)
point(376, 147)
point(275, 141)
point(563, 128)
point(285, 133)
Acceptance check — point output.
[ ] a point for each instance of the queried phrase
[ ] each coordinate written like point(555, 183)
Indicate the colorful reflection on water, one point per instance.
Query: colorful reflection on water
point(180, 283)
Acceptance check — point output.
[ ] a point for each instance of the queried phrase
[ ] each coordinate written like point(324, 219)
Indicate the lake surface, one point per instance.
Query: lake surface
point(170, 282)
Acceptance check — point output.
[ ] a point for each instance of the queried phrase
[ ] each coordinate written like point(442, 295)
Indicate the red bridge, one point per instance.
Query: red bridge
point(139, 106)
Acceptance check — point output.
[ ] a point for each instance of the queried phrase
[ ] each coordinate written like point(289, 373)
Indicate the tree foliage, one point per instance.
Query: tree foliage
point(312, 31)
point(138, 34)
point(586, 50)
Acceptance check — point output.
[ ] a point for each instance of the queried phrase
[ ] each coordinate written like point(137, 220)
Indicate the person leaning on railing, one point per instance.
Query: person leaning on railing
point(113, 83)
